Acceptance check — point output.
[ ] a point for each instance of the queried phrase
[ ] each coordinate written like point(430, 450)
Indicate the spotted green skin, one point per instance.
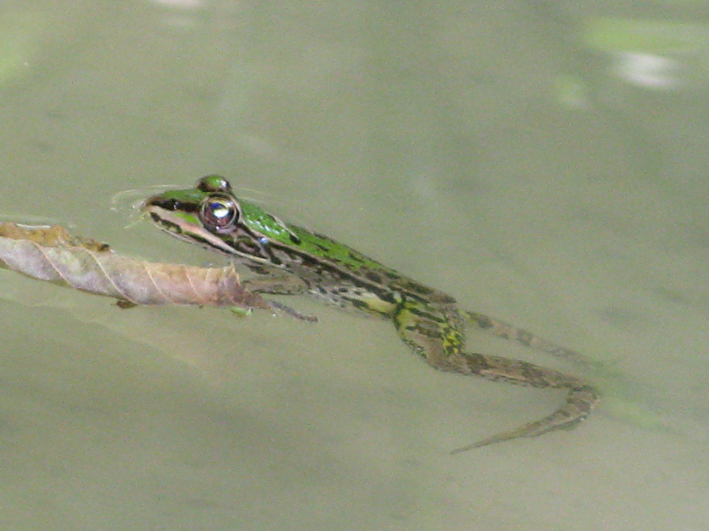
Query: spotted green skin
point(292, 260)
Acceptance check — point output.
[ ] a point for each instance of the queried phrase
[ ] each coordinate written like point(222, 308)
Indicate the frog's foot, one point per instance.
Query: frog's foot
point(578, 406)
point(580, 401)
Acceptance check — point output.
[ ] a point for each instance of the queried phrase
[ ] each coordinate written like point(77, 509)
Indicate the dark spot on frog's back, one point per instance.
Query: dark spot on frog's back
point(323, 248)
point(443, 298)
point(355, 257)
point(374, 277)
point(361, 305)
point(432, 295)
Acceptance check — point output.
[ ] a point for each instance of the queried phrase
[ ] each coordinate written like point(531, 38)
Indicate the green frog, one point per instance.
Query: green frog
point(291, 260)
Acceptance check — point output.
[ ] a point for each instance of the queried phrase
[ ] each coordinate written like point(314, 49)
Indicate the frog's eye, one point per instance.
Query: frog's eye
point(219, 214)
point(213, 183)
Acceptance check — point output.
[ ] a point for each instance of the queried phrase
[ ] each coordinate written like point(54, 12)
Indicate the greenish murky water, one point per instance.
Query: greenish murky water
point(543, 162)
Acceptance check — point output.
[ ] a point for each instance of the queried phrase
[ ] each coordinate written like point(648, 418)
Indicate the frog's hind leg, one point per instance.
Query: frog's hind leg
point(580, 400)
point(504, 330)
point(436, 334)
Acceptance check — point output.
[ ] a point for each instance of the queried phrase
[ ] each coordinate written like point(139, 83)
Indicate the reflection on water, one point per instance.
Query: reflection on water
point(542, 162)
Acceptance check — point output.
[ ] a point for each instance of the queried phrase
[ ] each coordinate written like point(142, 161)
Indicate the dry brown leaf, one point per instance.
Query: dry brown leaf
point(52, 254)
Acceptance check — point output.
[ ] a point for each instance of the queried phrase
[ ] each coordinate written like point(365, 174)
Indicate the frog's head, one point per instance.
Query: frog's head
point(210, 215)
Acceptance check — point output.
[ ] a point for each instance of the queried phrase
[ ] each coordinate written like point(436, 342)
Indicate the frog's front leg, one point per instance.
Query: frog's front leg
point(276, 285)
point(436, 334)
point(280, 285)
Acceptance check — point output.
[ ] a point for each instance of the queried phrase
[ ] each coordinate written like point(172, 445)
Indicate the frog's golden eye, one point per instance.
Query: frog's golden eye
point(219, 214)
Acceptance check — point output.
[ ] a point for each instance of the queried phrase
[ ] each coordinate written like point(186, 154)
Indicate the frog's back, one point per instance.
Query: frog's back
point(337, 265)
